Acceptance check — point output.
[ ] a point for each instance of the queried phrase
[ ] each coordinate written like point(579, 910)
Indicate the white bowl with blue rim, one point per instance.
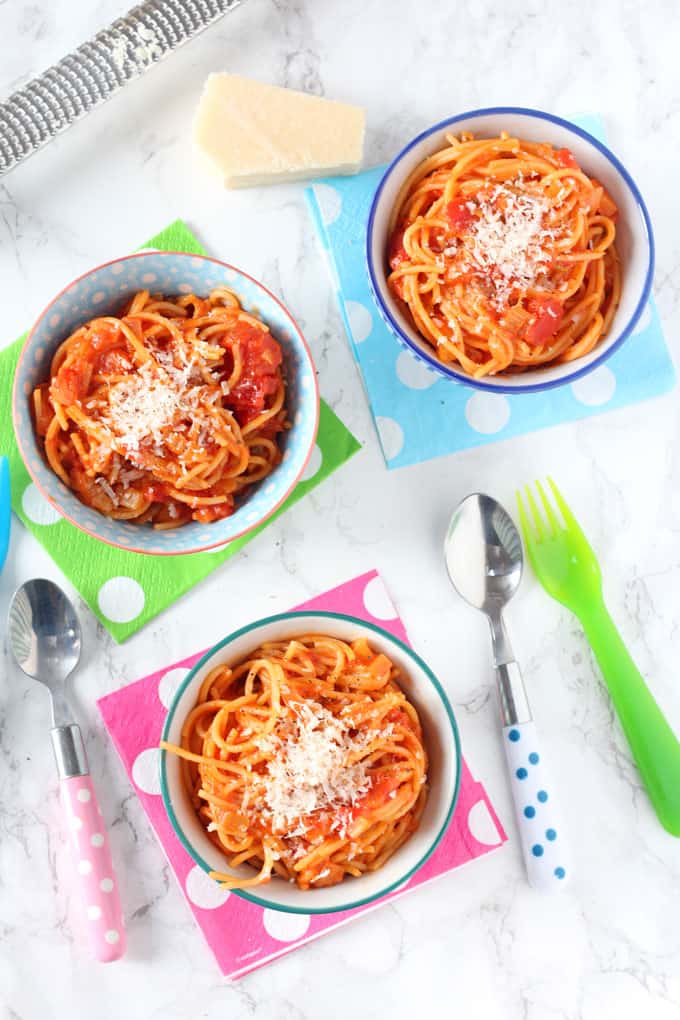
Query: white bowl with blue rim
point(440, 736)
point(634, 238)
point(103, 291)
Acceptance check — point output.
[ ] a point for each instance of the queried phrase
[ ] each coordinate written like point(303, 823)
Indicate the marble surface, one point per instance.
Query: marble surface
point(479, 942)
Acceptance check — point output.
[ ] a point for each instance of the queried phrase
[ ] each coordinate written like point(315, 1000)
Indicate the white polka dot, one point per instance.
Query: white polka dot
point(94, 912)
point(285, 927)
point(84, 795)
point(169, 685)
point(413, 373)
point(149, 278)
point(84, 867)
point(36, 507)
point(121, 599)
point(482, 825)
point(596, 388)
point(645, 320)
point(203, 891)
point(377, 601)
point(117, 269)
point(360, 320)
point(313, 465)
point(391, 436)
point(487, 412)
point(55, 320)
point(106, 885)
point(185, 288)
point(96, 839)
point(98, 297)
point(329, 202)
point(76, 823)
point(146, 771)
point(112, 936)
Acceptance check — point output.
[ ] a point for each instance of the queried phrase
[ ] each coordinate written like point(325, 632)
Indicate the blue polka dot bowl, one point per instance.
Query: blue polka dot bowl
point(103, 290)
point(634, 238)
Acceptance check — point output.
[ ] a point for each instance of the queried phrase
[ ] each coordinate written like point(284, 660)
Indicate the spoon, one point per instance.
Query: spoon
point(44, 635)
point(484, 558)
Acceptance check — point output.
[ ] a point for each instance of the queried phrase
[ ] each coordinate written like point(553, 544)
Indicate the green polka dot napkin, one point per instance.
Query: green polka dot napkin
point(125, 590)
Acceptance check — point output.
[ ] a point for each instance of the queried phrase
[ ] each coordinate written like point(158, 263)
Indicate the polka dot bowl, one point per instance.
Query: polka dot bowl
point(441, 740)
point(634, 238)
point(103, 290)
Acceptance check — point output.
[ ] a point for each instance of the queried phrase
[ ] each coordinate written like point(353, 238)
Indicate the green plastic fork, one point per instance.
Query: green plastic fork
point(568, 569)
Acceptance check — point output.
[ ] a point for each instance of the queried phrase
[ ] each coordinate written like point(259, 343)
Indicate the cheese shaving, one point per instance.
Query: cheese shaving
point(309, 770)
point(506, 241)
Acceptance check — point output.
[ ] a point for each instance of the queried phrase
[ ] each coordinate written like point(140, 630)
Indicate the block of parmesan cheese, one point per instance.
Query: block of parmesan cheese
point(254, 133)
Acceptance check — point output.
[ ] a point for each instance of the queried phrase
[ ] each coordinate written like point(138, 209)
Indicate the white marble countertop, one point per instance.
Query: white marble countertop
point(479, 943)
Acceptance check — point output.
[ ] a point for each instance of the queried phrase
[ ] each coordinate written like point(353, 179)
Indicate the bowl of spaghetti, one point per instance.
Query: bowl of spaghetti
point(310, 762)
point(509, 249)
point(165, 403)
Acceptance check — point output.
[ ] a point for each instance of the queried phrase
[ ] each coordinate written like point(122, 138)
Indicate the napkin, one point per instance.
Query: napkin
point(418, 414)
point(242, 935)
point(123, 589)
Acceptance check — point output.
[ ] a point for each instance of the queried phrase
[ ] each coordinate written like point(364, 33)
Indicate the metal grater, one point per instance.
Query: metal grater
point(85, 79)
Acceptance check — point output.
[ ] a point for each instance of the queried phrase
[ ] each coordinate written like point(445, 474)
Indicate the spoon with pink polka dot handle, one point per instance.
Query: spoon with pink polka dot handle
point(44, 635)
point(484, 558)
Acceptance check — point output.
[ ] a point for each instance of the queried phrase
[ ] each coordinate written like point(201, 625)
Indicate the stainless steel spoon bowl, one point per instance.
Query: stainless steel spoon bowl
point(44, 634)
point(484, 558)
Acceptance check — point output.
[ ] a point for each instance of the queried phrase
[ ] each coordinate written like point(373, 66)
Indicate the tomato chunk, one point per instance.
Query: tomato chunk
point(261, 359)
point(565, 158)
point(155, 492)
point(114, 362)
point(72, 383)
point(459, 215)
point(397, 252)
point(547, 315)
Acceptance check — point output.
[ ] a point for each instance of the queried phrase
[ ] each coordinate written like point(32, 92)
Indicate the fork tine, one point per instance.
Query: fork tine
point(568, 516)
point(538, 520)
point(525, 526)
point(550, 513)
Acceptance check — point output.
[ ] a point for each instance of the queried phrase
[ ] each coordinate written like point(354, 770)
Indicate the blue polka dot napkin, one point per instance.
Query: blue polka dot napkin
point(419, 415)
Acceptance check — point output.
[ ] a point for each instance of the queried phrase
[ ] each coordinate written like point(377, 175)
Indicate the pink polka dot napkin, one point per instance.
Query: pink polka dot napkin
point(242, 935)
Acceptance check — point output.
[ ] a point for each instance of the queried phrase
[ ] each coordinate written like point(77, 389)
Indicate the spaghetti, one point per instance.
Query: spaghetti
point(503, 253)
point(167, 413)
point(305, 761)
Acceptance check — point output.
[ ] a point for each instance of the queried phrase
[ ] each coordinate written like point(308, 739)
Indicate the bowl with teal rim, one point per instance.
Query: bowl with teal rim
point(440, 737)
point(634, 239)
point(103, 291)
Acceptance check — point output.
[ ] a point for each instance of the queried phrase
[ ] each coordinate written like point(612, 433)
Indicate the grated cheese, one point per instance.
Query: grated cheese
point(506, 243)
point(145, 404)
point(309, 768)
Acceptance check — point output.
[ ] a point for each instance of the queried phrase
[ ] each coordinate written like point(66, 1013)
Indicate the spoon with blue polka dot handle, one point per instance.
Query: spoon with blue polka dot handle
point(484, 558)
